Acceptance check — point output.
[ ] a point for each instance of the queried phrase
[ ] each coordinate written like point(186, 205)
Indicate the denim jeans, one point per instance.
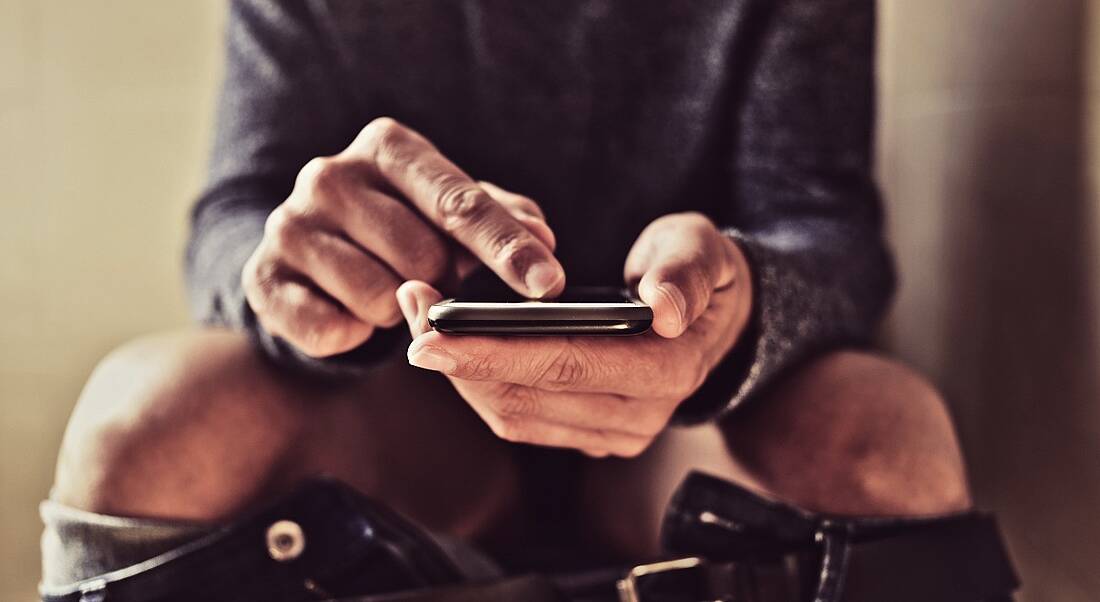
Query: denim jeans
point(323, 541)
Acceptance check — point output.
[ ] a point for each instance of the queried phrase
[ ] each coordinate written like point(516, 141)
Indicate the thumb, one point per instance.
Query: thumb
point(415, 297)
point(678, 262)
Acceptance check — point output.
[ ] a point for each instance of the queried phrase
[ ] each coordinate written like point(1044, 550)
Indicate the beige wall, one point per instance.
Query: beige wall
point(986, 109)
point(104, 121)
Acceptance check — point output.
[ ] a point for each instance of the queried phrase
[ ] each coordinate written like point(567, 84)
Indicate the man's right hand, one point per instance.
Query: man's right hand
point(386, 210)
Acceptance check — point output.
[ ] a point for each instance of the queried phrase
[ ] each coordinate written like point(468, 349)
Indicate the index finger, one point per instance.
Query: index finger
point(460, 207)
point(643, 366)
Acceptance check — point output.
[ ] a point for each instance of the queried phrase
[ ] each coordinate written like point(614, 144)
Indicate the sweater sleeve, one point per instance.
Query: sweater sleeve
point(280, 105)
point(806, 211)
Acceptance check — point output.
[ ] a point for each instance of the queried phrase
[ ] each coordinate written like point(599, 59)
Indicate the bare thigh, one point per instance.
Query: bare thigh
point(199, 426)
point(849, 433)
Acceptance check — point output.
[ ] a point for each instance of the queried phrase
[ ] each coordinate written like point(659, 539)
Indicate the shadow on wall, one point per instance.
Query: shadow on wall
point(984, 162)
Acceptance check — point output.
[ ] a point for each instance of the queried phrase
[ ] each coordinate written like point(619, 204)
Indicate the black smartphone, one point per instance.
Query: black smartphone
point(603, 311)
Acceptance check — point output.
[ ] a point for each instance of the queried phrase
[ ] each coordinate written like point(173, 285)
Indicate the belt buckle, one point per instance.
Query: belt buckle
point(628, 586)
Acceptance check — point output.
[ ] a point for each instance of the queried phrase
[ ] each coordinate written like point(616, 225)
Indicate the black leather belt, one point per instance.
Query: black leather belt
point(327, 542)
point(956, 562)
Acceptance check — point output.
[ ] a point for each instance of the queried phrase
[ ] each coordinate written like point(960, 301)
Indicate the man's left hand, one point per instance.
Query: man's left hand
point(603, 395)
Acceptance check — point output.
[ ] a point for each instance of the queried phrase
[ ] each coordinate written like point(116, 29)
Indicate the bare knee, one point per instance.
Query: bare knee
point(854, 433)
point(174, 425)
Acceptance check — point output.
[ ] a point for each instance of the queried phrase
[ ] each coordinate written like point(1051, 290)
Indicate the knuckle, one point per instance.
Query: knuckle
point(312, 348)
point(478, 368)
point(250, 273)
point(388, 311)
point(272, 326)
point(317, 338)
point(458, 204)
point(690, 278)
point(259, 280)
point(375, 298)
point(307, 329)
point(309, 345)
point(664, 221)
point(511, 429)
point(693, 221)
point(698, 283)
point(697, 220)
point(283, 229)
point(526, 205)
point(381, 131)
point(514, 249)
point(635, 448)
point(517, 402)
point(385, 140)
point(508, 247)
point(321, 176)
point(567, 369)
point(275, 223)
point(530, 206)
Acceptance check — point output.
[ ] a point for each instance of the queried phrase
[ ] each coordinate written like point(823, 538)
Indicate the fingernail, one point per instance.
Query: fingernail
point(677, 297)
point(431, 358)
point(541, 278)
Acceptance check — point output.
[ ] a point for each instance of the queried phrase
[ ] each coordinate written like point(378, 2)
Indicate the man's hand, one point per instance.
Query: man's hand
point(389, 208)
point(603, 395)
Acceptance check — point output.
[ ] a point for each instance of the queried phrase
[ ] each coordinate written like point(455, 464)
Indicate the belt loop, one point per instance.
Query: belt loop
point(834, 541)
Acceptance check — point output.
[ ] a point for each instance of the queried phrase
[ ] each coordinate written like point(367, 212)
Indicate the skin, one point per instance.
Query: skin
point(388, 208)
point(603, 395)
point(198, 426)
point(391, 209)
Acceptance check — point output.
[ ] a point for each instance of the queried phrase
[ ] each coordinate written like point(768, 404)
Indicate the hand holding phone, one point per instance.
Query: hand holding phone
point(602, 395)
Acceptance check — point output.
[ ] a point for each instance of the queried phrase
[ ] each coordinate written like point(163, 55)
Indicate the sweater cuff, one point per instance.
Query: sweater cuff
point(352, 364)
point(771, 340)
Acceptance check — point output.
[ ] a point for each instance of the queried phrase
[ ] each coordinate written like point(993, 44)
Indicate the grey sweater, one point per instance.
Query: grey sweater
point(609, 113)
